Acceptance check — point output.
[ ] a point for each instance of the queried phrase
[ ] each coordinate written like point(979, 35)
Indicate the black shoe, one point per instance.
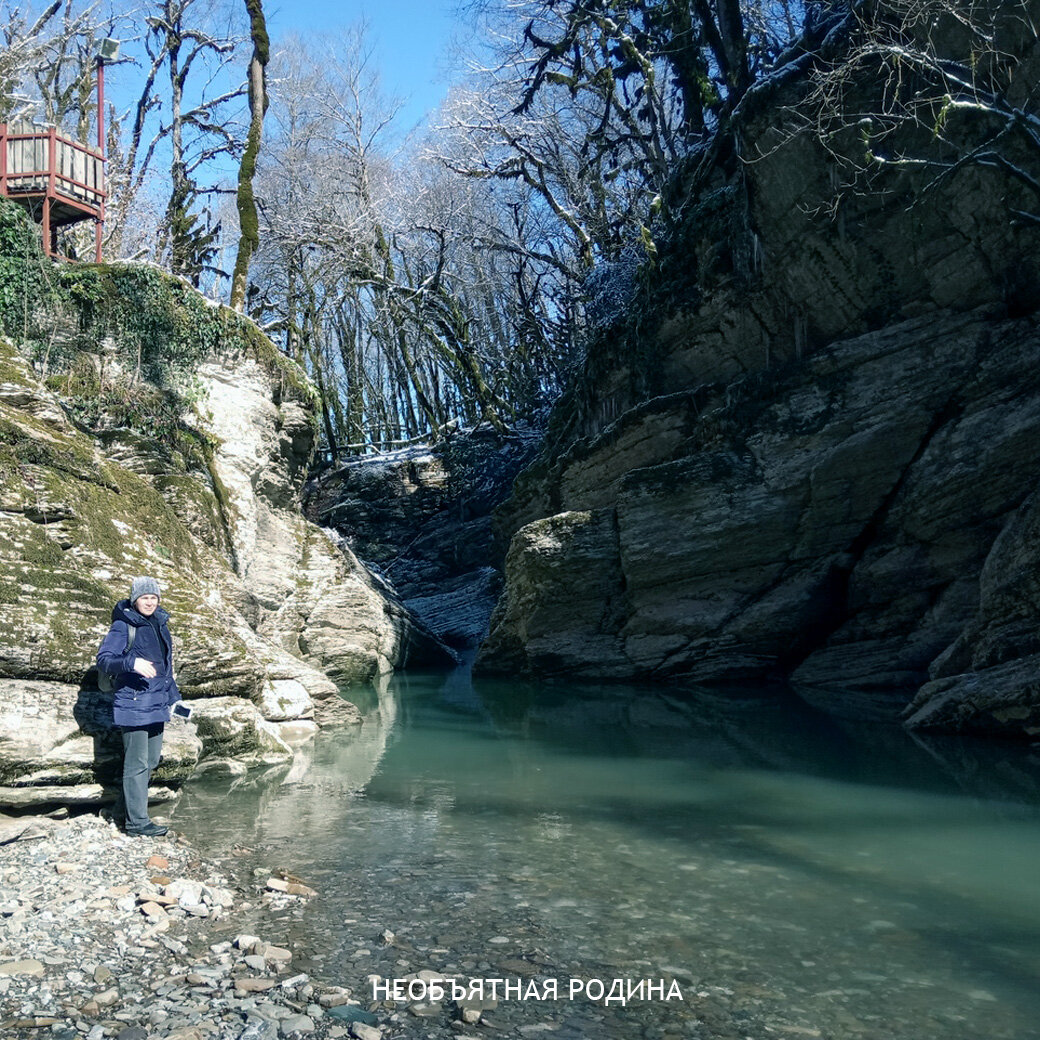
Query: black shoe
point(149, 830)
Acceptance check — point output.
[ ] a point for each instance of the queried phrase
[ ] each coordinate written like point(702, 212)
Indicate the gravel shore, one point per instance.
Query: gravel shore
point(105, 935)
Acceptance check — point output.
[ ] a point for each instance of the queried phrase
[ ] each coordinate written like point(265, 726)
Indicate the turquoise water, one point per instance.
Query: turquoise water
point(795, 876)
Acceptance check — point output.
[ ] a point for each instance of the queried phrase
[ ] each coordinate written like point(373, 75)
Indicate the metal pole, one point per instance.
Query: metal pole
point(50, 234)
point(99, 222)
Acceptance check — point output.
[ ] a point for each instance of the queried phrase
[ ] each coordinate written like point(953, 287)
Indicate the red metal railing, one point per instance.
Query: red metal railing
point(68, 176)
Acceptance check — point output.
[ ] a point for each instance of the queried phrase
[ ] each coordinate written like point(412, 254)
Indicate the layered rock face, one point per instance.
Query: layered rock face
point(422, 516)
point(848, 529)
point(308, 592)
point(821, 468)
point(269, 615)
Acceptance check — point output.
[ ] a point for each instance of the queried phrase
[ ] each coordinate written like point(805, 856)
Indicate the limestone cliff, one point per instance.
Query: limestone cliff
point(809, 452)
point(271, 616)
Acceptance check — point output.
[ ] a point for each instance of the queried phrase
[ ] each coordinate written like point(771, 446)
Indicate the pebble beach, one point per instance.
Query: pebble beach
point(105, 935)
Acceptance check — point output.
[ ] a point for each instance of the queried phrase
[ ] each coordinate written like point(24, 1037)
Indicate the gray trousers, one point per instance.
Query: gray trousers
point(142, 747)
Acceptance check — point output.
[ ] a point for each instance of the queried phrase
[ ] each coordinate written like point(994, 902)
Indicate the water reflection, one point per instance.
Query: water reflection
point(802, 873)
point(267, 805)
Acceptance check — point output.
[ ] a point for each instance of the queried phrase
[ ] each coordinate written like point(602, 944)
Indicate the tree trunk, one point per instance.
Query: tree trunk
point(249, 234)
point(178, 172)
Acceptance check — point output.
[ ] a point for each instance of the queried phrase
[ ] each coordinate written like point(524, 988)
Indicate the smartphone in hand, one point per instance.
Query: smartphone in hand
point(182, 710)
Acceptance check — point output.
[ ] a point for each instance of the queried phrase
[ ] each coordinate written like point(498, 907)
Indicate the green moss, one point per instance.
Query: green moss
point(221, 688)
point(168, 327)
point(27, 286)
point(12, 365)
point(50, 599)
point(162, 326)
point(295, 385)
point(31, 442)
point(197, 507)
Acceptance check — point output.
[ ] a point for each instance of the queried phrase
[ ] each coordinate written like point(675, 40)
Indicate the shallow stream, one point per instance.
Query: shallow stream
point(795, 876)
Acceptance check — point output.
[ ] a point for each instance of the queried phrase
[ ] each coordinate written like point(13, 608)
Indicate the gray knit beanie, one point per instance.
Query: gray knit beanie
point(143, 587)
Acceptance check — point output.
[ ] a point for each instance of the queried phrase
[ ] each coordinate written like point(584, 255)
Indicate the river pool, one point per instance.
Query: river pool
point(786, 874)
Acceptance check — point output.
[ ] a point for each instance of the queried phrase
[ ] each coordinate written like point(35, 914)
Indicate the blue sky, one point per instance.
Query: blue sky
point(411, 41)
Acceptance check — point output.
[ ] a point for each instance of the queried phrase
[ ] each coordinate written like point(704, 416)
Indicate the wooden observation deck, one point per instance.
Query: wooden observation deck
point(58, 180)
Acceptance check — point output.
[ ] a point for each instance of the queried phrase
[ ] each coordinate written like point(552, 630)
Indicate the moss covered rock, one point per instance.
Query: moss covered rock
point(194, 477)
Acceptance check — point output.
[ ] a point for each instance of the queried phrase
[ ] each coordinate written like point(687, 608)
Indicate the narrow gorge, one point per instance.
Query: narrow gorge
point(803, 449)
point(602, 551)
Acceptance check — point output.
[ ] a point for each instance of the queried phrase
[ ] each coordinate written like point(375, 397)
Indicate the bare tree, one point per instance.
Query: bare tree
point(953, 91)
point(401, 285)
point(47, 63)
point(197, 132)
point(182, 124)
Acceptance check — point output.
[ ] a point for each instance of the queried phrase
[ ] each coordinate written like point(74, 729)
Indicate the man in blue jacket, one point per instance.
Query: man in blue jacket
point(141, 667)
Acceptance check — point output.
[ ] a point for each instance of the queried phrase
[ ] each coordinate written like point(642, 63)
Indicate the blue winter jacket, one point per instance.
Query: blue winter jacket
point(139, 701)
